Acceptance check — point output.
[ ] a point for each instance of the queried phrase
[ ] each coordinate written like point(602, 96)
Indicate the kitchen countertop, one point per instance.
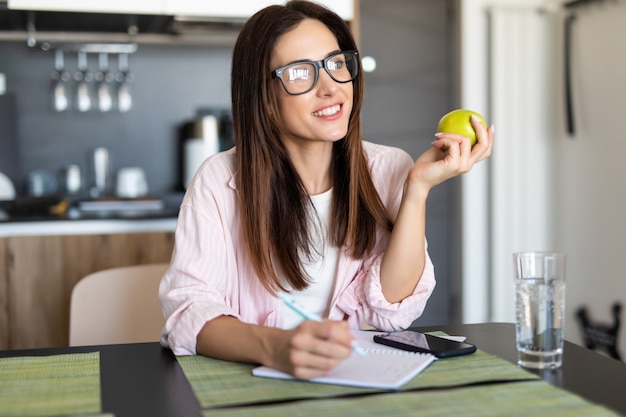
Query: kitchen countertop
point(75, 221)
point(86, 227)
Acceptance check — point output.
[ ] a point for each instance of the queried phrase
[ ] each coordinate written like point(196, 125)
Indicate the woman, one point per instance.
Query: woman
point(302, 205)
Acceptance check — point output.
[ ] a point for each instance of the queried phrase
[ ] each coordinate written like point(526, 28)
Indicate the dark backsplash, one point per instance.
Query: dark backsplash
point(171, 84)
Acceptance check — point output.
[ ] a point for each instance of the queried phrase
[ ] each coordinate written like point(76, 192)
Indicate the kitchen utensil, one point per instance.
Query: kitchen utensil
point(203, 141)
point(71, 179)
point(83, 78)
point(37, 205)
point(7, 190)
point(104, 79)
point(131, 183)
point(41, 182)
point(101, 172)
point(60, 77)
point(207, 134)
point(124, 77)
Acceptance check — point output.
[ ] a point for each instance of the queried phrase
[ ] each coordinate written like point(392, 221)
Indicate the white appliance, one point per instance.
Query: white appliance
point(202, 141)
point(7, 190)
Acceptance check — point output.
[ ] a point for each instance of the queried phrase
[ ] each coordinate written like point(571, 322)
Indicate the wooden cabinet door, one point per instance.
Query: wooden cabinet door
point(42, 271)
point(4, 308)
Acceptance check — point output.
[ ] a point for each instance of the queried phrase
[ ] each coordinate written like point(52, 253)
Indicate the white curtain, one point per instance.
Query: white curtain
point(522, 42)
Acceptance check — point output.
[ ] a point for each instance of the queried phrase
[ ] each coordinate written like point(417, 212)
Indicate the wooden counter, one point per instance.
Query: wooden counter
point(40, 263)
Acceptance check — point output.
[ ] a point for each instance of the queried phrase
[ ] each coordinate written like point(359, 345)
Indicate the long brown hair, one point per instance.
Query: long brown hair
point(274, 202)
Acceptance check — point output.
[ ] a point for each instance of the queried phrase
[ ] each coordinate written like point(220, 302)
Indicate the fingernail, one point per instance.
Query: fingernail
point(493, 128)
point(439, 134)
point(474, 118)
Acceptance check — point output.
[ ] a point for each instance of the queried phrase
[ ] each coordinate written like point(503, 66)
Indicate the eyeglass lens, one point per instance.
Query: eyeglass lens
point(301, 77)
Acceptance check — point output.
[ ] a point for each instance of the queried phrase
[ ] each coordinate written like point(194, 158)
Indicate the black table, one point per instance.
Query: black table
point(591, 375)
point(144, 379)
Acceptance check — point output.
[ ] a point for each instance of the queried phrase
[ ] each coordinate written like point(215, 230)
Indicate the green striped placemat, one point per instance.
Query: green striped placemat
point(513, 399)
point(55, 385)
point(219, 383)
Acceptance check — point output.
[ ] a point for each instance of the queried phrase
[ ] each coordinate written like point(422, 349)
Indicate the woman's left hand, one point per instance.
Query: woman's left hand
point(450, 155)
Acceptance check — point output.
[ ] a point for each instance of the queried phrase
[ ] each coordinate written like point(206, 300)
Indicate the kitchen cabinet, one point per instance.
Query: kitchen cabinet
point(40, 272)
point(240, 9)
point(108, 6)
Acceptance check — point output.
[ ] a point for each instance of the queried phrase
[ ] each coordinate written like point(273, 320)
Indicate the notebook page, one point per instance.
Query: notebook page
point(383, 367)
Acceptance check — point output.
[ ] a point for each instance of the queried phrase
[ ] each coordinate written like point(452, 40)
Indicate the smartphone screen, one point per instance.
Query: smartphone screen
point(420, 342)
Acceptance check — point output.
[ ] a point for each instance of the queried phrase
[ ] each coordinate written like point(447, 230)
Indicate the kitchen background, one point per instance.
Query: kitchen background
point(171, 85)
point(546, 187)
point(411, 88)
point(503, 58)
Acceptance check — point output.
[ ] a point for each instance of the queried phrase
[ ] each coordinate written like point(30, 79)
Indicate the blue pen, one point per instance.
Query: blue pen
point(292, 304)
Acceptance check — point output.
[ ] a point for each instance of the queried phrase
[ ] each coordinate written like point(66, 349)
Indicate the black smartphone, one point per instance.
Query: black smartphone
point(420, 342)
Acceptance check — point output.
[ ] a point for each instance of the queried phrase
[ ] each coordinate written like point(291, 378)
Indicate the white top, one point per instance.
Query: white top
point(315, 299)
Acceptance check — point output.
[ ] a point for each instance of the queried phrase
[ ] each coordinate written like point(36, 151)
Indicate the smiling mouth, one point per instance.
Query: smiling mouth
point(328, 111)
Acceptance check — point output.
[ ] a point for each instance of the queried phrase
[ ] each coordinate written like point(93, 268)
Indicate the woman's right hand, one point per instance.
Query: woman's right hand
point(312, 349)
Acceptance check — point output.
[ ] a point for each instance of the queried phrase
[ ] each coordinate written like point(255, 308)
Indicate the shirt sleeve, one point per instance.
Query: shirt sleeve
point(193, 289)
point(363, 300)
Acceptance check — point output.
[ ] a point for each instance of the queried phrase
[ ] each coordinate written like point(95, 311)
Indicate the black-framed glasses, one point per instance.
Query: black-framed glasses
point(301, 77)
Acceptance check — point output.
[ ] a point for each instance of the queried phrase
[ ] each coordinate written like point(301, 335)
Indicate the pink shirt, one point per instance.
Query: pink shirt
point(211, 275)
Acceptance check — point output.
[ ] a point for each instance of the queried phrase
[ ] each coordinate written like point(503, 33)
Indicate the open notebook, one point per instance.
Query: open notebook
point(383, 367)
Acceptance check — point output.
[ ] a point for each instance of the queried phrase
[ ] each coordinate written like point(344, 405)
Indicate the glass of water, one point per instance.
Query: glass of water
point(539, 308)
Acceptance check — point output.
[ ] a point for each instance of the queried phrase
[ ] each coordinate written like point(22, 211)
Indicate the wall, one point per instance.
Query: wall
point(585, 174)
point(472, 94)
point(475, 90)
point(524, 106)
point(170, 84)
point(487, 282)
point(591, 192)
point(405, 97)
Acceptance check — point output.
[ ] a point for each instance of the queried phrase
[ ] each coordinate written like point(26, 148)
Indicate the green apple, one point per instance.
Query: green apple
point(458, 121)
